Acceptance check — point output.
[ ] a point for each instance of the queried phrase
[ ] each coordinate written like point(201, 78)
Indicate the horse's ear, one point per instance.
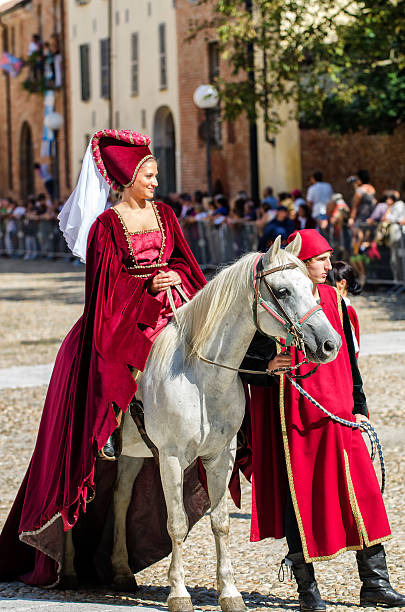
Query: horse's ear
point(295, 246)
point(271, 254)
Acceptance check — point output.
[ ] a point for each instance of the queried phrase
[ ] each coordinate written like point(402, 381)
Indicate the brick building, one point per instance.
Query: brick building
point(198, 64)
point(22, 111)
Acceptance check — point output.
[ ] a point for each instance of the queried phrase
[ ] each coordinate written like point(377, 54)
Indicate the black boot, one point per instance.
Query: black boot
point(376, 588)
point(309, 596)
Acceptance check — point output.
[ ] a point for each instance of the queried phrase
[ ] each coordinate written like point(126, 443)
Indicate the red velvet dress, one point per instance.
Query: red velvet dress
point(91, 373)
point(325, 466)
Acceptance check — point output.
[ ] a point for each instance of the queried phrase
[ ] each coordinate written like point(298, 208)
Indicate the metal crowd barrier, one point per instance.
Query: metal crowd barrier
point(47, 241)
point(214, 245)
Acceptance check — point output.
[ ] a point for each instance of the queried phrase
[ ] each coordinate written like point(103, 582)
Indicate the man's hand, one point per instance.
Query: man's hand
point(283, 360)
point(360, 418)
point(163, 280)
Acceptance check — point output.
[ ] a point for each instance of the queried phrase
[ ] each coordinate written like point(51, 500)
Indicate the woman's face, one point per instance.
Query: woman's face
point(145, 183)
point(319, 267)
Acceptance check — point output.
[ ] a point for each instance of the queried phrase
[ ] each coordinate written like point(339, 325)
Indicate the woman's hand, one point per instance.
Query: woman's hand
point(164, 280)
point(283, 360)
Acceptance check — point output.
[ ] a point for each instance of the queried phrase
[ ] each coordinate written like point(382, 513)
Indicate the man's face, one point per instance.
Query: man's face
point(319, 267)
point(282, 214)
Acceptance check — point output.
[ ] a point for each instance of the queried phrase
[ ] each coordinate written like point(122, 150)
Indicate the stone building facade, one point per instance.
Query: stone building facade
point(22, 112)
point(124, 76)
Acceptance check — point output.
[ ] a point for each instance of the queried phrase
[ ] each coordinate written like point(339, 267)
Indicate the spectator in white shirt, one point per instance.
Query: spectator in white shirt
point(318, 197)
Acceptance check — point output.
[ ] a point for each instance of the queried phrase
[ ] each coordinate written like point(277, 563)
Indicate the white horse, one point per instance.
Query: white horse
point(195, 409)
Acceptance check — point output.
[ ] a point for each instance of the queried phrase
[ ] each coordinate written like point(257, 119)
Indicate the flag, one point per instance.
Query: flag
point(11, 64)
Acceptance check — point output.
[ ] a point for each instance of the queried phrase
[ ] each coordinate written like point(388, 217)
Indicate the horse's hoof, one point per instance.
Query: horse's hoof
point(68, 583)
point(125, 583)
point(232, 604)
point(180, 604)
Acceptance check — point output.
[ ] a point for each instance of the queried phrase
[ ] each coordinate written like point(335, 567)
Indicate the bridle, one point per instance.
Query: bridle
point(293, 328)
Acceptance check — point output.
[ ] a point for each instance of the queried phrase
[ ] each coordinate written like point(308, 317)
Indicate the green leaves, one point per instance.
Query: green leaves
point(343, 66)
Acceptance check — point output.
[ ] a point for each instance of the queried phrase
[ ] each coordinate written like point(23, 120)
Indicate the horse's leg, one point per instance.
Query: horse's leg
point(171, 471)
point(69, 580)
point(219, 470)
point(128, 470)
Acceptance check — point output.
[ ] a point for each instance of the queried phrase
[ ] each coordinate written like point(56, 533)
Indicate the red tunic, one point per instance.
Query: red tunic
point(90, 374)
point(333, 485)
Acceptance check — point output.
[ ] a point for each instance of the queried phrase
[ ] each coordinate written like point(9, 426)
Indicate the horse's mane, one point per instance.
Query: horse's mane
point(208, 310)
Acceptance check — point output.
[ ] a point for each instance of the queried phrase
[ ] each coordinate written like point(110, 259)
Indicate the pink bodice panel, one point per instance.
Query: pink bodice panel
point(146, 249)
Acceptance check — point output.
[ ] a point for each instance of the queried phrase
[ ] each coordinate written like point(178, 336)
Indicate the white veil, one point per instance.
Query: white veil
point(87, 201)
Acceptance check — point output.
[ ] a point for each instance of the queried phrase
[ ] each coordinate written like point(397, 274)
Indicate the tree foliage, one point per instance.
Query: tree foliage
point(339, 64)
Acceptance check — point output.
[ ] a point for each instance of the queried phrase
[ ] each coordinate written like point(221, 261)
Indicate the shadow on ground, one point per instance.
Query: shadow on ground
point(152, 596)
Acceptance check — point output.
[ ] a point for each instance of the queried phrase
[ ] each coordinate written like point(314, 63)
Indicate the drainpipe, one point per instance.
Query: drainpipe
point(8, 111)
point(66, 125)
point(254, 168)
point(110, 66)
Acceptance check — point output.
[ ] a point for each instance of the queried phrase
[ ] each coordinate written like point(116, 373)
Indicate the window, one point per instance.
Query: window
point(126, 15)
point(93, 118)
point(85, 71)
point(117, 119)
point(117, 18)
point(213, 61)
point(143, 119)
point(162, 56)
point(134, 65)
point(13, 40)
point(105, 68)
point(94, 23)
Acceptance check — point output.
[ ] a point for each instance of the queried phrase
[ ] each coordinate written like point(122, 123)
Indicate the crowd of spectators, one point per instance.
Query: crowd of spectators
point(358, 227)
point(29, 229)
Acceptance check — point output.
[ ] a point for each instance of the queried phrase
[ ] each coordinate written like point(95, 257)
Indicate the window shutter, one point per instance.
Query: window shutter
point(85, 71)
point(105, 67)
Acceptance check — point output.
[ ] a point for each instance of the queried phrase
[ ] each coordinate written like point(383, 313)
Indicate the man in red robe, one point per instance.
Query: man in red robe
point(313, 480)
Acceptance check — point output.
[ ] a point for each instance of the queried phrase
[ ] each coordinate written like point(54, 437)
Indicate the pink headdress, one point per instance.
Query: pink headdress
point(113, 158)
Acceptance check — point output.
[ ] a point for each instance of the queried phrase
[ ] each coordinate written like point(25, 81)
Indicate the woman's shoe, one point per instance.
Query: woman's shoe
point(376, 588)
point(112, 449)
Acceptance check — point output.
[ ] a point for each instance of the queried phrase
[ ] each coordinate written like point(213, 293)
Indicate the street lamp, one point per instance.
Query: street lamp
point(206, 97)
point(54, 121)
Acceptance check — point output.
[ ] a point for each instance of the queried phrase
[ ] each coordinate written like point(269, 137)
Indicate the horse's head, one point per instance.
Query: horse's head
point(287, 293)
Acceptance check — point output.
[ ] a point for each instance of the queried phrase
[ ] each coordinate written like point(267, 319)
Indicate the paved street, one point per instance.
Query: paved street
point(40, 306)
point(33, 376)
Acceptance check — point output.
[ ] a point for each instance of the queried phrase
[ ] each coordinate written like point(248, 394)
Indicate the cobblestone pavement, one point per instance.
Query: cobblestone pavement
point(37, 308)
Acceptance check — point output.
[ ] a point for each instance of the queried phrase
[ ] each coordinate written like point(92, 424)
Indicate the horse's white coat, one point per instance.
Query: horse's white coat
point(193, 409)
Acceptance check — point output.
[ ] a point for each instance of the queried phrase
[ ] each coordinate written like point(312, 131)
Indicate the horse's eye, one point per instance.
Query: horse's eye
point(282, 293)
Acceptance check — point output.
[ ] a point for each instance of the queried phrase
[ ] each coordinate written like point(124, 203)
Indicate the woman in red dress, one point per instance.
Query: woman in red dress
point(313, 480)
point(135, 251)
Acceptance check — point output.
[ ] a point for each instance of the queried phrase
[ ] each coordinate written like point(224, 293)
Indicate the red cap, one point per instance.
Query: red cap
point(313, 244)
point(119, 154)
